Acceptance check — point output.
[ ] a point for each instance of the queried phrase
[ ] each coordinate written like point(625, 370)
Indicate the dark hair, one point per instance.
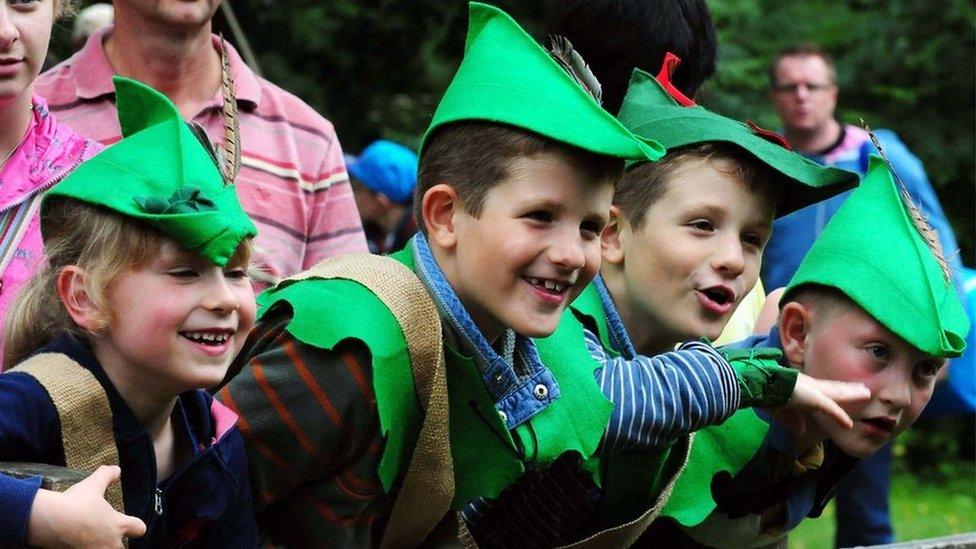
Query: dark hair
point(615, 36)
point(474, 156)
point(805, 49)
point(645, 182)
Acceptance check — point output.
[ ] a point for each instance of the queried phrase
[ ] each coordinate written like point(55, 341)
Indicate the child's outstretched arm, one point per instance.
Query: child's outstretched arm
point(80, 517)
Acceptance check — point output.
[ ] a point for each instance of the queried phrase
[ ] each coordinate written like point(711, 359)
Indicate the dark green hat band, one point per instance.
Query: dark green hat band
point(162, 174)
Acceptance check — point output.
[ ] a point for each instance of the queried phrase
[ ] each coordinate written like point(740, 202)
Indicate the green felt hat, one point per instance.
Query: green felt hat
point(506, 77)
point(650, 111)
point(872, 251)
point(161, 173)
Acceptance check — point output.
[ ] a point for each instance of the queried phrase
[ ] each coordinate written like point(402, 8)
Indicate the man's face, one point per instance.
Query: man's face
point(172, 13)
point(681, 275)
point(532, 250)
point(847, 344)
point(804, 93)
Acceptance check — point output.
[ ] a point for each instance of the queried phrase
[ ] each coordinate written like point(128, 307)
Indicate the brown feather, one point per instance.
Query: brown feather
point(232, 145)
point(929, 235)
point(573, 63)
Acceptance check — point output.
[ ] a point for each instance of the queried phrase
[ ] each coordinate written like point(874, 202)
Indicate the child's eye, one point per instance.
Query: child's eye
point(540, 215)
point(183, 273)
point(591, 228)
point(236, 273)
point(879, 351)
point(703, 225)
point(754, 239)
point(927, 369)
point(24, 4)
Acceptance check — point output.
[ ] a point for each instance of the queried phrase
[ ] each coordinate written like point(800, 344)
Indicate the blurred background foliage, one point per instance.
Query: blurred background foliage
point(376, 68)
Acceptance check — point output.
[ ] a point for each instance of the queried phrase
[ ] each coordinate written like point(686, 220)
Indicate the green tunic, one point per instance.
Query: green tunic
point(483, 450)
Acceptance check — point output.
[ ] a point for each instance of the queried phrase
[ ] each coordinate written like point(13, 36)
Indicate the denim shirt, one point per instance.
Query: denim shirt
point(521, 389)
point(619, 337)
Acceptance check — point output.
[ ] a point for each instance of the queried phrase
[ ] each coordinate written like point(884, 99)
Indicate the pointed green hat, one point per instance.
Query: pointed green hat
point(873, 253)
point(161, 173)
point(650, 110)
point(506, 77)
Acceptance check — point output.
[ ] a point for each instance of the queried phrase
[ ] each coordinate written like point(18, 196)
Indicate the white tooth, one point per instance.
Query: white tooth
point(535, 281)
point(550, 285)
point(208, 337)
point(559, 287)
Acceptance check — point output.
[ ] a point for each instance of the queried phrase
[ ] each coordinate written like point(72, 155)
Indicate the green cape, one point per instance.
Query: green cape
point(506, 77)
point(873, 253)
point(648, 110)
point(162, 174)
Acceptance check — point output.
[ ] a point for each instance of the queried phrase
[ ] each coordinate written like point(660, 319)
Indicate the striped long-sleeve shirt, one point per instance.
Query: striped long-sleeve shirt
point(657, 399)
point(293, 180)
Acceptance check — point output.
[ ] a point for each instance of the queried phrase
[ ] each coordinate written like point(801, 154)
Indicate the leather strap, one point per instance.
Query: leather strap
point(428, 487)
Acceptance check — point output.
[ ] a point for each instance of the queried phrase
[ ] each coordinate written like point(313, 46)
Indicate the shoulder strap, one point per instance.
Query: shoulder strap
point(428, 486)
point(86, 418)
point(626, 534)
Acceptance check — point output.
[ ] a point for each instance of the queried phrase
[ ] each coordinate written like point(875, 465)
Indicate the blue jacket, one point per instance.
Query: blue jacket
point(793, 235)
point(205, 503)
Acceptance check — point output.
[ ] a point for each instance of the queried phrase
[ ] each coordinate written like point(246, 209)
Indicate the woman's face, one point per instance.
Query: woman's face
point(25, 31)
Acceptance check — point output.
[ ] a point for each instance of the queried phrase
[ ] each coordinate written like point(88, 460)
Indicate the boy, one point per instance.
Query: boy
point(682, 249)
point(871, 302)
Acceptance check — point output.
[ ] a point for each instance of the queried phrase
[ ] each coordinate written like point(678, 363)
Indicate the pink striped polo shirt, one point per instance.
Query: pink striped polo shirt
point(293, 180)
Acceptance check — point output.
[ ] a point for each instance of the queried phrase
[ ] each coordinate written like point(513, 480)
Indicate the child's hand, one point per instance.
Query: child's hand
point(80, 516)
point(826, 396)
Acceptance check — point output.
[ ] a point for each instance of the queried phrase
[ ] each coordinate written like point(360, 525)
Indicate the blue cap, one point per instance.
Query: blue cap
point(387, 168)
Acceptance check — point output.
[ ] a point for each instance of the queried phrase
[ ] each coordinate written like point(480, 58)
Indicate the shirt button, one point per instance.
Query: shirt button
point(540, 391)
point(504, 417)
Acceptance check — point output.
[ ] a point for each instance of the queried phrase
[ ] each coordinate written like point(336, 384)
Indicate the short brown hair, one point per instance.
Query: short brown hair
point(803, 50)
point(474, 156)
point(645, 182)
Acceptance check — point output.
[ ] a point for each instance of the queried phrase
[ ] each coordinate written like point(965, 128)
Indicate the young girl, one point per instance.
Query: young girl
point(35, 151)
point(145, 288)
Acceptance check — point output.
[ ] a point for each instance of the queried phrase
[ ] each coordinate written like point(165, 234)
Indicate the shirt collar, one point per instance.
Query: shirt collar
point(618, 332)
point(516, 397)
point(93, 72)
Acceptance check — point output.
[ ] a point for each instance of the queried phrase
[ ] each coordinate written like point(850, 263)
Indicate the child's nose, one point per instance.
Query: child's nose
point(896, 390)
point(566, 250)
point(220, 296)
point(8, 31)
point(729, 258)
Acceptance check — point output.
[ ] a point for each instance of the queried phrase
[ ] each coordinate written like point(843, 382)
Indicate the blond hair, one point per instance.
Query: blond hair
point(104, 244)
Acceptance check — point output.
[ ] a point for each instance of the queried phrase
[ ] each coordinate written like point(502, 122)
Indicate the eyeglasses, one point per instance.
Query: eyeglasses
point(793, 88)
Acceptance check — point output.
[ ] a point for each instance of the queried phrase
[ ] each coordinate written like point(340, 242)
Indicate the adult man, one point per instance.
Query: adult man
point(293, 181)
point(803, 89)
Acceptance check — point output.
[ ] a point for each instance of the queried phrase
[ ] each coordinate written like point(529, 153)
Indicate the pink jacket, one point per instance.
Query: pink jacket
point(48, 152)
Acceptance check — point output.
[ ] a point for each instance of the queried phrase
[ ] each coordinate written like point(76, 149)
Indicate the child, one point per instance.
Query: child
point(682, 249)
point(145, 289)
point(871, 302)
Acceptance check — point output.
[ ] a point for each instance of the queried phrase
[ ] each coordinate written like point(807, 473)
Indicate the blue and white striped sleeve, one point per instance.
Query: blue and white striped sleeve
point(658, 399)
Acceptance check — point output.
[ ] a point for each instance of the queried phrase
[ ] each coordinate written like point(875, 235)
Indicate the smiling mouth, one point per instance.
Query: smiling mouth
point(210, 339)
point(551, 286)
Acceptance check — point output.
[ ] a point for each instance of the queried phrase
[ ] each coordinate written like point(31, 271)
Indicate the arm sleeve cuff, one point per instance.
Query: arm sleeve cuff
point(762, 380)
point(16, 499)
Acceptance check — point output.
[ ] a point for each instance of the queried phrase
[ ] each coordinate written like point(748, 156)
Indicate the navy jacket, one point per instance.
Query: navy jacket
point(205, 503)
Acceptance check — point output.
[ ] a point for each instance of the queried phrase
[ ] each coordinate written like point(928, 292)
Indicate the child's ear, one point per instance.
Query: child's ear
point(794, 329)
point(439, 205)
point(610, 245)
point(72, 286)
